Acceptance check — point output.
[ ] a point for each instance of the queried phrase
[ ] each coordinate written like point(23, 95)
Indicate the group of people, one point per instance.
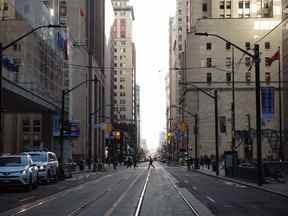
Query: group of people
point(205, 161)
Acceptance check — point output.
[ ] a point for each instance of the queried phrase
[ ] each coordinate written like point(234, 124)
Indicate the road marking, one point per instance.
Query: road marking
point(29, 206)
point(210, 199)
point(142, 195)
point(183, 197)
point(110, 211)
point(25, 199)
point(195, 188)
point(228, 183)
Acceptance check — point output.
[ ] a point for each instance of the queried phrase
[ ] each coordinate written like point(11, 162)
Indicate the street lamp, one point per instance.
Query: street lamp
point(215, 98)
point(65, 92)
point(256, 58)
point(2, 49)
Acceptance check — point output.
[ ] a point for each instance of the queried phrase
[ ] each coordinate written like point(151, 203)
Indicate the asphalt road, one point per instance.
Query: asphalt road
point(118, 193)
point(227, 198)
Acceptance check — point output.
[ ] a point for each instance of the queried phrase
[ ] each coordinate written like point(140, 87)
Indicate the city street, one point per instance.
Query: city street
point(118, 193)
point(228, 198)
point(160, 191)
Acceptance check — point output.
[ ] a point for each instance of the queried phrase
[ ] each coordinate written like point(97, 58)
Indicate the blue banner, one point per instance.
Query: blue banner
point(267, 103)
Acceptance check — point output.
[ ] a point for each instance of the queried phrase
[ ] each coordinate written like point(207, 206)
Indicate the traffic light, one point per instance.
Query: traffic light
point(117, 135)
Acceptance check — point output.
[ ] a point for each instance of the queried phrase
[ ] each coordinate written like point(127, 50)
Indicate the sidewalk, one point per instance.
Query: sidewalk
point(277, 188)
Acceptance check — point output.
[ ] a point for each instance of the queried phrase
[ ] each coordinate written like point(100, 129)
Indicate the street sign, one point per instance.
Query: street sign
point(183, 126)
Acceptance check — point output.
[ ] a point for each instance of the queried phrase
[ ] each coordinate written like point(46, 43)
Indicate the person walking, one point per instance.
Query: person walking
point(150, 163)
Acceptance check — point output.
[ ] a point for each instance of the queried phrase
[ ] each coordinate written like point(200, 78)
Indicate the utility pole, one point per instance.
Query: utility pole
point(281, 154)
point(196, 141)
point(216, 131)
point(233, 113)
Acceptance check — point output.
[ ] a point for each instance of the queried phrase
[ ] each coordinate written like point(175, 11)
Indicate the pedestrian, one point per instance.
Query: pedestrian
point(150, 163)
point(135, 163)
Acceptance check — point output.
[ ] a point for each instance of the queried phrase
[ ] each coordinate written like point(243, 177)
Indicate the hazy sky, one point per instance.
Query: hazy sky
point(151, 35)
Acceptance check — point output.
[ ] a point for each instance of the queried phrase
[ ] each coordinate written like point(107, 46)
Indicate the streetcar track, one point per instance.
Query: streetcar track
point(141, 199)
point(183, 197)
point(86, 204)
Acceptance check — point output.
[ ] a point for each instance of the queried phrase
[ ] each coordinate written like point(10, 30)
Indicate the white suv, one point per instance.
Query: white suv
point(47, 164)
point(18, 170)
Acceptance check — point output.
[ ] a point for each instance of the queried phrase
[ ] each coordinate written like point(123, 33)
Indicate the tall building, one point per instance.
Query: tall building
point(124, 75)
point(211, 69)
point(32, 84)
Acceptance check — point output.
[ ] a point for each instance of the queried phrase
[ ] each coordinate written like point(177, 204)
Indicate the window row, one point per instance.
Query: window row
point(247, 45)
point(247, 77)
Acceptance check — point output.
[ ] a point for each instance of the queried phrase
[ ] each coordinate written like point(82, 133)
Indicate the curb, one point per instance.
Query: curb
point(244, 183)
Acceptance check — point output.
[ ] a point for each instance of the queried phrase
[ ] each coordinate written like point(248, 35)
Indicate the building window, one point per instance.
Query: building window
point(228, 61)
point(267, 77)
point(228, 15)
point(222, 15)
point(222, 5)
point(228, 5)
point(240, 4)
point(122, 94)
point(204, 7)
point(208, 46)
point(248, 77)
point(122, 79)
point(123, 109)
point(248, 45)
point(267, 45)
point(228, 77)
point(180, 47)
point(267, 61)
point(26, 125)
point(247, 4)
point(208, 62)
point(122, 101)
point(247, 61)
point(121, 87)
point(209, 77)
point(228, 45)
point(247, 15)
point(115, 86)
point(179, 11)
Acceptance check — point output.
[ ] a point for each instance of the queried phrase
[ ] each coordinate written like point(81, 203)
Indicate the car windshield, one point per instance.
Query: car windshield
point(36, 157)
point(11, 161)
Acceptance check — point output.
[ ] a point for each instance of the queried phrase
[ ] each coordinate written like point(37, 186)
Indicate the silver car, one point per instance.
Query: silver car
point(47, 164)
point(18, 170)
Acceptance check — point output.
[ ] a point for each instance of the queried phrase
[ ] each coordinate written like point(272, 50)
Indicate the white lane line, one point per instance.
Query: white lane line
point(210, 199)
point(110, 211)
point(25, 199)
point(61, 194)
point(228, 183)
point(140, 202)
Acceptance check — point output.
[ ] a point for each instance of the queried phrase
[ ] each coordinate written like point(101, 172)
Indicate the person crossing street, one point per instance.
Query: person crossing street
point(150, 163)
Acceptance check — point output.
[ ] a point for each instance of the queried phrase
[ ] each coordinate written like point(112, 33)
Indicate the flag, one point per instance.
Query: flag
point(275, 57)
point(82, 12)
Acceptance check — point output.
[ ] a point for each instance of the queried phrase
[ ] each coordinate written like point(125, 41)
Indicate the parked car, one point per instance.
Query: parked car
point(47, 164)
point(18, 170)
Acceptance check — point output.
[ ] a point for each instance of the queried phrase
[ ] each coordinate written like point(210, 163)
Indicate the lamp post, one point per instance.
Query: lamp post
point(256, 58)
point(65, 92)
point(215, 98)
point(2, 49)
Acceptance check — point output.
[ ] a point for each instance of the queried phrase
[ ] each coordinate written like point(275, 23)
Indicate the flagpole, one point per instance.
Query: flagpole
point(280, 108)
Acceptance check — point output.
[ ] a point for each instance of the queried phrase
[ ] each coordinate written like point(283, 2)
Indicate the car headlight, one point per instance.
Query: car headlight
point(41, 168)
point(23, 172)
